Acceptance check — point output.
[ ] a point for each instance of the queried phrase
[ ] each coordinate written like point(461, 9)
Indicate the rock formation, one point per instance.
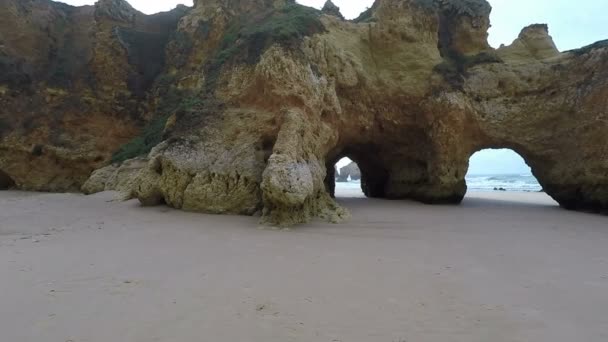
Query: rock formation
point(74, 83)
point(115, 177)
point(331, 9)
point(349, 171)
point(249, 104)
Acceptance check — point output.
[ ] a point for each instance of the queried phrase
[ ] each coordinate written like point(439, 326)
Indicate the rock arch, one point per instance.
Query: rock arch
point(409, 91)
point(561, 175)
point(411, 121)
point(372, 172)
point(503, 162)
point(349, 172)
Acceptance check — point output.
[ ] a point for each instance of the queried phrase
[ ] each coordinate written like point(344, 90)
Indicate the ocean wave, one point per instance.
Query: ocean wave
point(517, 183)
point(524, 182)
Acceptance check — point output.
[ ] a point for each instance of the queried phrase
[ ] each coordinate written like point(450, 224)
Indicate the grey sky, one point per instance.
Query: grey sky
point(488, 162)
point(571, 23)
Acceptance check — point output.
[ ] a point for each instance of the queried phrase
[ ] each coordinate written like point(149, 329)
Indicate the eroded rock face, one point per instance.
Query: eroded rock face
point(533, 42)
point(73, 86)
point(115, 177)
point(273, 94)
point(331, 9)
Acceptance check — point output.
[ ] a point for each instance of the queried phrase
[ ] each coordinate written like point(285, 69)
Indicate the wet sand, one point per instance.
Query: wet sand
point(501, 267)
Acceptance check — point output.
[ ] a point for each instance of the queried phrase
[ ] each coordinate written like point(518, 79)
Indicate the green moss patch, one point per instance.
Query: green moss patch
point(173, 102)
point(286, 26)
point(248, 38)
point(244, 42)
point(597, 45)
point(365, 16)
point(151, 136)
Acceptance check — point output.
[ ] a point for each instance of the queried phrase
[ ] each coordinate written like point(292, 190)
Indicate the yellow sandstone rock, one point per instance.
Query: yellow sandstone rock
point(247, 105)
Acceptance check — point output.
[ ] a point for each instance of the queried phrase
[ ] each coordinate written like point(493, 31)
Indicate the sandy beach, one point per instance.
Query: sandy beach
point(501, 267)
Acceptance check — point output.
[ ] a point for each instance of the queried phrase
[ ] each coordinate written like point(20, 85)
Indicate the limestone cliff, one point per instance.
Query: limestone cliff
point(73, 86)
point(257, 100)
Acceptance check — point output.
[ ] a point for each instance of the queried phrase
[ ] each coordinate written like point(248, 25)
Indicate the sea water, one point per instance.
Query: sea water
point(521, 183)
point(518, 183)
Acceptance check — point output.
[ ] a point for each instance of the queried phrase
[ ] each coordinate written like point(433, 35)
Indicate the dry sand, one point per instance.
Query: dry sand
point(501, 267)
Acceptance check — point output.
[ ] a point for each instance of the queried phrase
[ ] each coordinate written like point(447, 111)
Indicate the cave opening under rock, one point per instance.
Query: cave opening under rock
point(369, 179)
point(500, 170)
point(6, 182)
point(347, 179)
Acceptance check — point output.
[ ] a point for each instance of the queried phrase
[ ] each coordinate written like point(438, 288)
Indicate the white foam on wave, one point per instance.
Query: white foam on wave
point(517, 183)
point(523, 182)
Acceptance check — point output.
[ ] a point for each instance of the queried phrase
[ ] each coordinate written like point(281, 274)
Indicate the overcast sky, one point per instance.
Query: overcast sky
point(571, 23)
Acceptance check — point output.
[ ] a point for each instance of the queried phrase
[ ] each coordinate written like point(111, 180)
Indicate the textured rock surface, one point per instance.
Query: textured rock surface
point(271, 95)
point(115, 177)
point(533, 42)
point(331, 9)
point(73, 84)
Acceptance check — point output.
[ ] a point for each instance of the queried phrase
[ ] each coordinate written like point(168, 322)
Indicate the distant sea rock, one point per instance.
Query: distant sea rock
point(350, 171)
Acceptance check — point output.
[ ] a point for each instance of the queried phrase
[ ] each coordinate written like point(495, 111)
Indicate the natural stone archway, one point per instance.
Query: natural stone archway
point(256, 98)
point(349, 172)
point(347, 182)
point(373, 174)
point(411, 124)
point(6, 182)
point(550, 170)
point(500, 169)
